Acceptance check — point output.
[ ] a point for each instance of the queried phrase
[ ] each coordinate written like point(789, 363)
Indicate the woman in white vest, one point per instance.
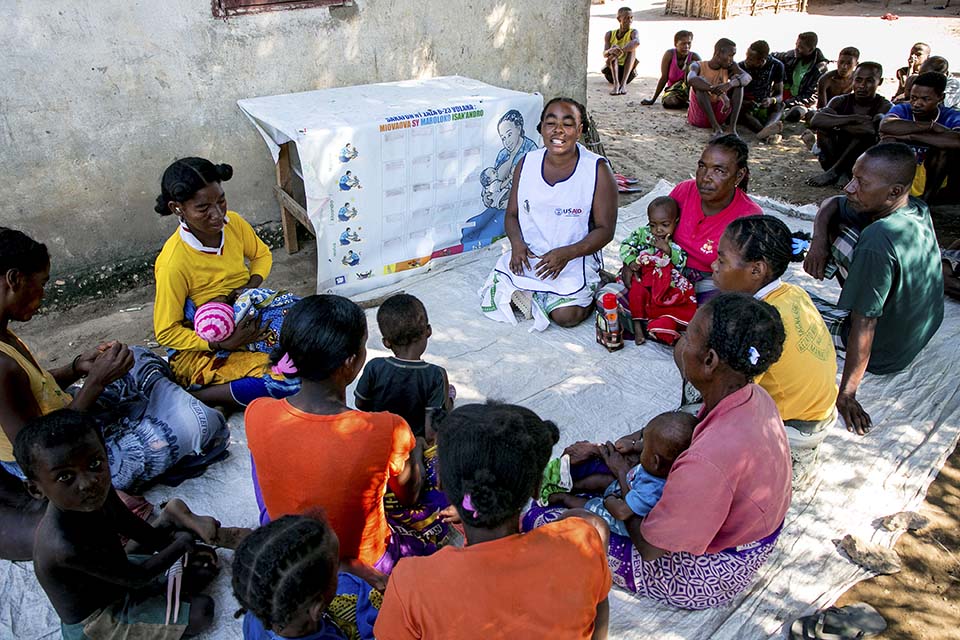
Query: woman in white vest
point(562, 211)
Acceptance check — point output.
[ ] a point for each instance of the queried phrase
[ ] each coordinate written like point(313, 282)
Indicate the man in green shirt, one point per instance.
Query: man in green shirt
point(880, 243)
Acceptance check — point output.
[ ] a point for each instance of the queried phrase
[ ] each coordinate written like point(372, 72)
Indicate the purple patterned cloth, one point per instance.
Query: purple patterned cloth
point(679, 579)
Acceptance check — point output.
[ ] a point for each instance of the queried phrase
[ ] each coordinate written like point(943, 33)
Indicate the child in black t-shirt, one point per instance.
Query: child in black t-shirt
point(404, 384)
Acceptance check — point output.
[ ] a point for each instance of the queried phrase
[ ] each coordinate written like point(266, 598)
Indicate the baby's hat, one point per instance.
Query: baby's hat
point(214, 321)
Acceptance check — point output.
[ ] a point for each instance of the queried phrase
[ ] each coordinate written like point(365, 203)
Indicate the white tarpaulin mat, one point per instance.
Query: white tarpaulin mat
point(563, 375)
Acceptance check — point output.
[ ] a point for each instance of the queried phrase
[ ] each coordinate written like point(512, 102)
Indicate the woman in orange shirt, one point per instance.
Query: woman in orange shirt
point(311, 450)
point(549, 583)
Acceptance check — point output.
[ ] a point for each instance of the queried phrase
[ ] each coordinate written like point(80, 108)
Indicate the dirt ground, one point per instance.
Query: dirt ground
point(649, 143)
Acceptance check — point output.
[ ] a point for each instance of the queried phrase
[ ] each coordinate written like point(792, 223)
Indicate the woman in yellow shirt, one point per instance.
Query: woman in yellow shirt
point(213, 253)
point(752, 255)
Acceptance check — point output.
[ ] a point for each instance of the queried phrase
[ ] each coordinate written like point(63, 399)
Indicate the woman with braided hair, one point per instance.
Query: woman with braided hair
point(753, 254)
point(213, 253)
point(726, 496)
point(312, 451)
point(552, 582)
point(285, 577)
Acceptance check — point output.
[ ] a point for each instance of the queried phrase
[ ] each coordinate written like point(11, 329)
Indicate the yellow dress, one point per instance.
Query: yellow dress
point(46, 392)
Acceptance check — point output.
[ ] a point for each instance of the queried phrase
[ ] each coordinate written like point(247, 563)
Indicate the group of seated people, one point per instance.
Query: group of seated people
point(841, 108)
point(683, 511)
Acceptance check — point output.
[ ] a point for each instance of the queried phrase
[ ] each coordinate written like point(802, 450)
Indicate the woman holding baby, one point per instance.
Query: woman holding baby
point(725, 497)
point(213, 254)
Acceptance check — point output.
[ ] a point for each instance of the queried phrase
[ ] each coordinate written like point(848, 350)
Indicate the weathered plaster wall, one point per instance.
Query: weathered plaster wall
point(97, 98)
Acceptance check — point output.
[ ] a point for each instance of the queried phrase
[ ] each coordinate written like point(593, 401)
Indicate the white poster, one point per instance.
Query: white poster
point(401, 173)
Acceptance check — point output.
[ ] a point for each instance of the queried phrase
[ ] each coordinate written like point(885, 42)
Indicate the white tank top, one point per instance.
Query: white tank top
point(554, 216)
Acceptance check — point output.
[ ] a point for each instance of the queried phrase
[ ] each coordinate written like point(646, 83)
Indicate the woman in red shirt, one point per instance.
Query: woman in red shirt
point(717, 197)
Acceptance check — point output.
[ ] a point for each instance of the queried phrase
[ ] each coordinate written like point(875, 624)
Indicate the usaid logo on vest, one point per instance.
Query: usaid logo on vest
point(560, 212)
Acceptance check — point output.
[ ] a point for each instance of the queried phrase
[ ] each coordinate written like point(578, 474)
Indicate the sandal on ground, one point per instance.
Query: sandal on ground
point(522, 301)
point(851, 622)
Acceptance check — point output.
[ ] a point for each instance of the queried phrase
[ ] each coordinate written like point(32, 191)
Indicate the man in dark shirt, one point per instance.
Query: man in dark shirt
point(763, 97)
point(802, 67)
point(847, 126)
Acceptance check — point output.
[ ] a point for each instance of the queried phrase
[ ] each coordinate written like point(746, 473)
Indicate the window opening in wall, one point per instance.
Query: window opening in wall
point(227, 8)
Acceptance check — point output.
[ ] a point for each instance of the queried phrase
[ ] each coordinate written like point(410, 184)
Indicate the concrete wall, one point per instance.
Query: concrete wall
point(97, 98)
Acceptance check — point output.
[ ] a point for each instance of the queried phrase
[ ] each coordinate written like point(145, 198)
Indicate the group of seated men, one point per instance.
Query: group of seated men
point(841, 107)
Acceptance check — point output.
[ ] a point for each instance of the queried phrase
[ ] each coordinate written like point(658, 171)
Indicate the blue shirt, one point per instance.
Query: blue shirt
point(645, 490)
point(949, 118)
point(347, 585)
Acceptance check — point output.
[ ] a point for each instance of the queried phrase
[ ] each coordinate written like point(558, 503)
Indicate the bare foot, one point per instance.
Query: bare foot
point(230, 537)
point(824, 179)
point(639, 335)
point(769, 130)
point(178, 514)
point(615, 91)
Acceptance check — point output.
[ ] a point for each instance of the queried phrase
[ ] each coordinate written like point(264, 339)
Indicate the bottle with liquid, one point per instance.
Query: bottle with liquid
point(609, 333)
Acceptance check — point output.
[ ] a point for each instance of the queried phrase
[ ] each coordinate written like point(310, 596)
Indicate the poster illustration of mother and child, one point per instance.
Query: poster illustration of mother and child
point(487, 226)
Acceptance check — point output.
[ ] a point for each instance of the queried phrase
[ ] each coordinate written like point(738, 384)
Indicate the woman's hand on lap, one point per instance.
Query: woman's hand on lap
point(112, 364)
point(84, 362)
point(520, 255)
point(552, 263)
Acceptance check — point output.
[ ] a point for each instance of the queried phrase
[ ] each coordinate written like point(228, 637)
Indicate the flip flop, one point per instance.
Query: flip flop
point(851, 622)
point(626, 179)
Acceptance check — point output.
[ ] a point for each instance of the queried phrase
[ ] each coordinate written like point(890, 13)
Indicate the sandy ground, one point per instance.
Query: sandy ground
point(649, 143)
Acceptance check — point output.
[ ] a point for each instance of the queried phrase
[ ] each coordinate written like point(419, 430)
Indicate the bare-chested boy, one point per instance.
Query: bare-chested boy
point(78, 557)
point(848, 125)
point(763, 97)
point(620, 53)
point(840, 80)
point(716, 89)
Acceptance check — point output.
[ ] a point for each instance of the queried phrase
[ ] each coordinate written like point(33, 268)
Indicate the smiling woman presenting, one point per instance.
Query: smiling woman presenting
point(562, 211)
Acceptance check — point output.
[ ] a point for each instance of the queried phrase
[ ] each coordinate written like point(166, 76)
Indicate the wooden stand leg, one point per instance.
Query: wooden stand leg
point(289, 224)
point(287, 220)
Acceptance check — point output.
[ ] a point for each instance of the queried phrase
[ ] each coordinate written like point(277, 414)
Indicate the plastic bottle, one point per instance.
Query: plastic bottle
point(608, 323)
point(609, 304)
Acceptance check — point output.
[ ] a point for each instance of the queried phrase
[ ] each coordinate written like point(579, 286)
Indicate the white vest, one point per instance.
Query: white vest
point(553, 216)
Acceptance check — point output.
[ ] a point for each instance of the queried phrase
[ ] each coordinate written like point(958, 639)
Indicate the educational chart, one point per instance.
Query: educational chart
point(399, 174)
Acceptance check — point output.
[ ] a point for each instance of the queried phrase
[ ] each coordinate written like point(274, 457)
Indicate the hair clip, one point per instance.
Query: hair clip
point(753, 355)
point(285, 366)
point(467, 504)
point(799, 245)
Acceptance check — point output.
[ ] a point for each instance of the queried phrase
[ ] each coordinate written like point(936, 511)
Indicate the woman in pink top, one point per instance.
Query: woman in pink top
point(708, 204)
point(726, 496)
